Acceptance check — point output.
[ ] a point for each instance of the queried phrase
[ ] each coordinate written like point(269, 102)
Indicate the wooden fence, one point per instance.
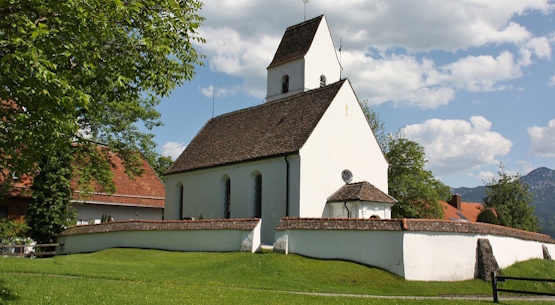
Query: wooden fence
point(46, 250)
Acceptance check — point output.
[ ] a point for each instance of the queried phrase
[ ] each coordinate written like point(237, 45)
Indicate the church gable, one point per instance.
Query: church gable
point(271, 129)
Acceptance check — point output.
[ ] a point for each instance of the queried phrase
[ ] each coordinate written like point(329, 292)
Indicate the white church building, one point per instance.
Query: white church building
point(308, 151)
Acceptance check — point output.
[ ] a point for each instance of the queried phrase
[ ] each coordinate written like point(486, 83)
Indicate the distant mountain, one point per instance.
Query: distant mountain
point(542, 185)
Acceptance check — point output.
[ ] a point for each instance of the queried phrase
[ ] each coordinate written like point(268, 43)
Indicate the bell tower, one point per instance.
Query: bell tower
point(304, 60)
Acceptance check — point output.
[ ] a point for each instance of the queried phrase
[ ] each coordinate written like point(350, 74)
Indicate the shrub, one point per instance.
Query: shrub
point(488, 216)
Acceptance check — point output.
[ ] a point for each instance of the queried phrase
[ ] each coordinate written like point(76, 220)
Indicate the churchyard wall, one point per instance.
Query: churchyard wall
point(424, 250)
point(186, 235)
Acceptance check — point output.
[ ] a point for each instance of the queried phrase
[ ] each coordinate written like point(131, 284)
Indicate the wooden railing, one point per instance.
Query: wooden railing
point(500, 278)
point(48, 250)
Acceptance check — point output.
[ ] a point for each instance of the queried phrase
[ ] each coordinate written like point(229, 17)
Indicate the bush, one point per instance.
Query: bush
point(12, 229)
point(488, 216)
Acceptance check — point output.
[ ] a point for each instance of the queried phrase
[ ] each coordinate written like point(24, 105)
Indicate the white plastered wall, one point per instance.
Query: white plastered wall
point(88, 211)
point(321, 59)
point(440, 256)
point(383, 249)
point(358, 209)
point(295, 70)
point(179, 240)
point(203, 192)
point(341, 140)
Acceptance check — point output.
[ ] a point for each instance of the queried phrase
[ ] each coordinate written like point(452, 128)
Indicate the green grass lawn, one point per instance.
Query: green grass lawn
point(132, 276)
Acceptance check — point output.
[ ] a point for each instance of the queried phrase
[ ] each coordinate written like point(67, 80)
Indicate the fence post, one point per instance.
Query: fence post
point(494, 287)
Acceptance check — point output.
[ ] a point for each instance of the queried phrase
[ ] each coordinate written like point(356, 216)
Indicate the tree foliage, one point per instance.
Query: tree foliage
point(79, 79)
point(510, 197)
point(49, 211)
point(416, 189)
point(89, 72)
point(487, 216)
point(160, 164)
point(377, 125)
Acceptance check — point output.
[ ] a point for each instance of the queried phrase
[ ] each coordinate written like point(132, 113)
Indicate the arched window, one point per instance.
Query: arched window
point(322, 81)
point(257, 195)
point(226, 183)
point(179, 200)
point(285, 84)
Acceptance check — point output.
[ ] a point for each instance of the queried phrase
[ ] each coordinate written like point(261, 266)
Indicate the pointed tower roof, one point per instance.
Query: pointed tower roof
point(296, 41)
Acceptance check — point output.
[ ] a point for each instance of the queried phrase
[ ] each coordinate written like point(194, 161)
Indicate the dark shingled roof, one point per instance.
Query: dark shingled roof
point(271, 129)
point(296, 41)
point(360, 191)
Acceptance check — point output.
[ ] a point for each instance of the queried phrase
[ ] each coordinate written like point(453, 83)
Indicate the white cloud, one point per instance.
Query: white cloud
point(486, 175)
point(551, 81)
point(453, 146)
point(219, 91)
point(173, 149)
point(242, 37)
point(543, 139)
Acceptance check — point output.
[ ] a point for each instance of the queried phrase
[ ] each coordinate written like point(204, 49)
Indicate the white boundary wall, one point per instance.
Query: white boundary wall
point(201, 239)
point(439, 256)
point(396, 247)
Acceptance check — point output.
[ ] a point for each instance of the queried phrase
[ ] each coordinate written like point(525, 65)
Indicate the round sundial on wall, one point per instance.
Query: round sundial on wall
point(347, 176)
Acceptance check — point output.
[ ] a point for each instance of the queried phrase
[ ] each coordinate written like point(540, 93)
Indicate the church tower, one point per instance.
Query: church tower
point(304, 60)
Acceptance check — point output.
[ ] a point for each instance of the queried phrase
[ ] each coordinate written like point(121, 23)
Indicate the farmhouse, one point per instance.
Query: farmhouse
point(290, 156)
point(139, 198)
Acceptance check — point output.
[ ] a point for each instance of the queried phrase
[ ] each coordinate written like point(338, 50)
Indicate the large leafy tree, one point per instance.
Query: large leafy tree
point(89, 72)
point(416, 189)
point(84, 73)
point(510, 196)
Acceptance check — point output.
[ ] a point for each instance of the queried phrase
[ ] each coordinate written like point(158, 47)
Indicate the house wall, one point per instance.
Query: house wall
point(341, 140)
point(89, 211)
point(321, 59)
point(358, 209)
point(295, 69)
point(195, 237)
point(13, 208)
point(203, 192)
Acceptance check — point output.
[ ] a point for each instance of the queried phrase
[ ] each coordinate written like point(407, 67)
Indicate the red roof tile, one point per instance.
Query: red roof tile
point(469, 211)
point(146, 190)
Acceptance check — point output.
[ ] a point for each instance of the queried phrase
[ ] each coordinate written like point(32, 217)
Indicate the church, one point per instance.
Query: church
point(308, 151)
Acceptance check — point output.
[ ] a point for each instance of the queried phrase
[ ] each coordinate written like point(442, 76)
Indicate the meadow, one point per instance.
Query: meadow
point(135, 276)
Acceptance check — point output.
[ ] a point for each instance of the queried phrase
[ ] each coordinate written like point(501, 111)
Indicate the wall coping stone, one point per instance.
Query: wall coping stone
point(415, 225)
point(242, 224)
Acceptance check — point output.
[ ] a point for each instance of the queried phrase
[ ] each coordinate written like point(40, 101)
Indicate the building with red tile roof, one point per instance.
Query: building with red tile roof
point(457, 210)
point(139, 198)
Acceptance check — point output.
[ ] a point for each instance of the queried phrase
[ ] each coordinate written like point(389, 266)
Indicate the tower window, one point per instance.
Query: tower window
point(285, 84)
point(322, 81)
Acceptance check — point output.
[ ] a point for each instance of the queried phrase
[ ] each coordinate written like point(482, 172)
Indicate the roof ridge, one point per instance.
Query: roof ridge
point(305, 22)
point(281, 100)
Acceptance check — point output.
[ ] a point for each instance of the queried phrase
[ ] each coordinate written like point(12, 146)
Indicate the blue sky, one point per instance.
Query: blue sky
point(473, 82)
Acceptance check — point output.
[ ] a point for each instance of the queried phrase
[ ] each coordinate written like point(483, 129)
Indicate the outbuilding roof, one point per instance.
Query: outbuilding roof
point(361, 191)
point(296, 41)
point(271, 129)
